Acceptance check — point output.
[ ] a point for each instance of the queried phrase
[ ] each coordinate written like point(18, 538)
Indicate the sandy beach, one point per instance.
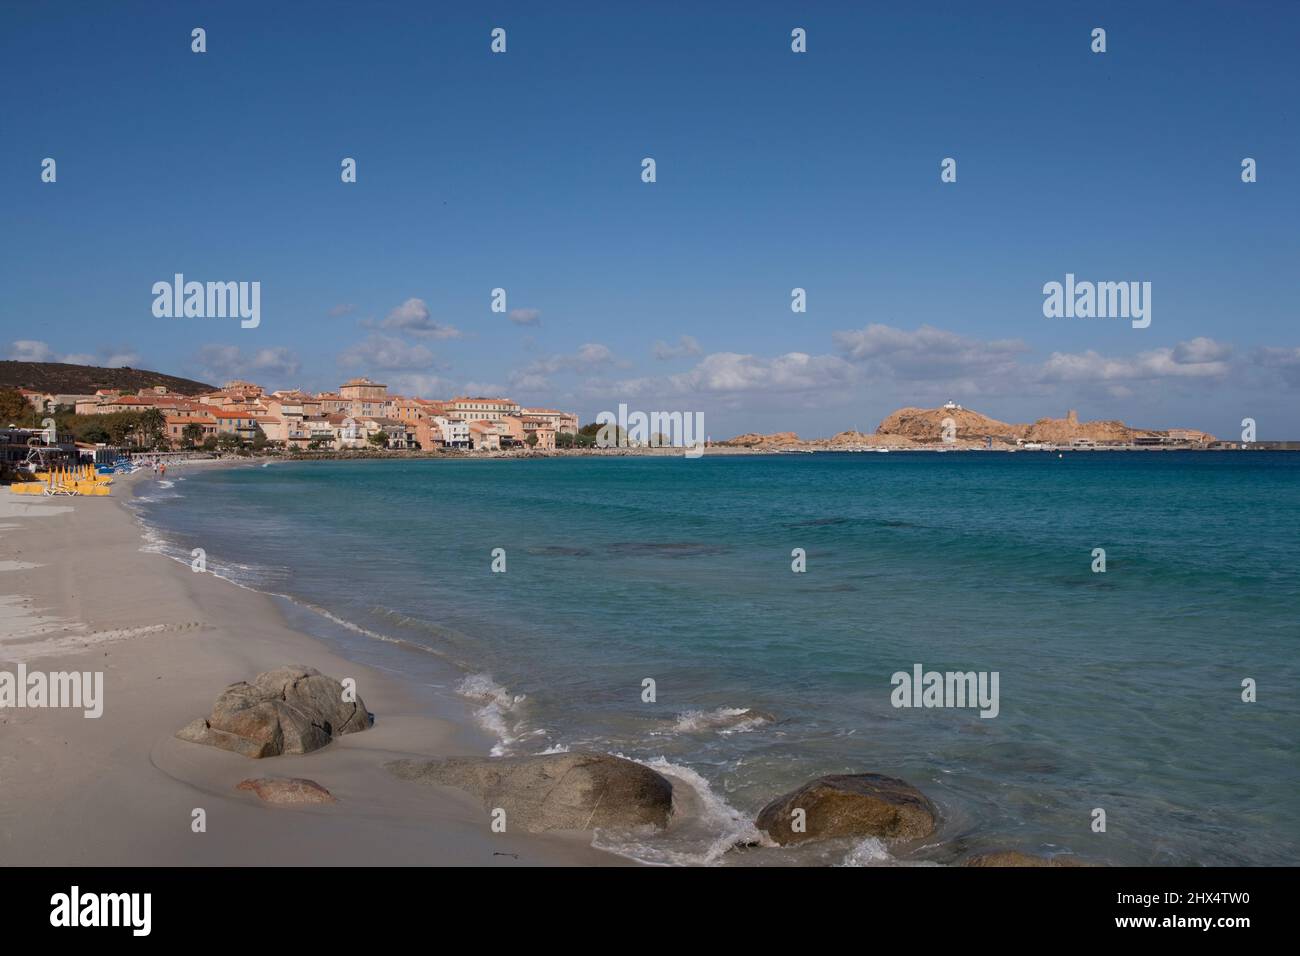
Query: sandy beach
point(77, 593)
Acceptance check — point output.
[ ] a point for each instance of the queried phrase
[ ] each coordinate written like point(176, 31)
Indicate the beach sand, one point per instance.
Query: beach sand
point(77, 593)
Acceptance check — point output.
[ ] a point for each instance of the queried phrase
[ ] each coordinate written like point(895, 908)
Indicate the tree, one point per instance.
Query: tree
point(210, 443)
point(228, 442)
point(121, 426)
point(153, 426)
point(192, 434)
point(531, 440)
point(379, 439)
point(14, 409)
point(589, 433)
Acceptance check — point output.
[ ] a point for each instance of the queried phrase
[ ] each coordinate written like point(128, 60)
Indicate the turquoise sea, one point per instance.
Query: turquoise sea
point(1119, 690)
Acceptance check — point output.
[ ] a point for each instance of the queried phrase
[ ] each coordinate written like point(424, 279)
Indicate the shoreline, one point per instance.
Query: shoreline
point(122, 789)
point(721, 451)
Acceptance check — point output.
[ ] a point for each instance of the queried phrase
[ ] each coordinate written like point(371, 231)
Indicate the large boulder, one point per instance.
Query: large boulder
point(290, 710)
point(287, 790)
point(566, 791)
point(850, 805)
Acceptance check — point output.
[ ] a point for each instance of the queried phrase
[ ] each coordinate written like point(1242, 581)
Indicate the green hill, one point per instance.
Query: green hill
point(64, 379)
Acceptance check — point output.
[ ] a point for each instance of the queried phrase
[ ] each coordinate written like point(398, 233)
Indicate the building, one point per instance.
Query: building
point(362, 389)
point(468, 409)
point(397, 434)
point(483, 436)
point(50, 401)
point(545, 436)
point(455, 433)
point(242, 424)
point(176, 425)
point(563, 423)
point(511, 431)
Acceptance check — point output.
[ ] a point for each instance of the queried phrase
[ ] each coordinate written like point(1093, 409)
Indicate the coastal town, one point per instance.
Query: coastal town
point(65, 416)
point(360, 414)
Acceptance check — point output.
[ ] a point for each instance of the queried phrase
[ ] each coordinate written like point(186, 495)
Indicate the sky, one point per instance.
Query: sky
point(774, 170)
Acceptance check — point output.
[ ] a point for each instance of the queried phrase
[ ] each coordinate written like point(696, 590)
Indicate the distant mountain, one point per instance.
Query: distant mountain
point(62, 379)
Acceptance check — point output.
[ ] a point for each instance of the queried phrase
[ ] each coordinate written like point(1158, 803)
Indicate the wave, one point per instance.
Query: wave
point(870, 852)
point(703, 829)
point(723, 720)
point(499, 713)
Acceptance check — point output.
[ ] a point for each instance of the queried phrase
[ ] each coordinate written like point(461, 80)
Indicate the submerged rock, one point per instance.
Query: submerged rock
point(290, 710)
point(1016, 858)
point(850, 805)
point(564, 791)
point(290, 790)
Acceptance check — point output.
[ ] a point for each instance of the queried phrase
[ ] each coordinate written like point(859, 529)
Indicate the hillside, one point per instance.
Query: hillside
point(926, 425)
point(922, 427)
point(59, 378)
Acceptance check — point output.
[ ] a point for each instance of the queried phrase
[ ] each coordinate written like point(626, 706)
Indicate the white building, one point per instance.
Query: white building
point(455, 433)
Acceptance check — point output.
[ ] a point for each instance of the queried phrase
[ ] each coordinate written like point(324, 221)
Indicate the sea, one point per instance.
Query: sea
point(738, 622)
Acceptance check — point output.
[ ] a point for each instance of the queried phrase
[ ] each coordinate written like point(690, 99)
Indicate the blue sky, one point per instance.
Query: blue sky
point(775, 170)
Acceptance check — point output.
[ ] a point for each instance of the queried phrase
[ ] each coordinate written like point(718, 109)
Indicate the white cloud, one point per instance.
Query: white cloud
point(525, 316)
point(589, 357)
point(418, 385)
point(225, 362)
point(1188, 360)
point(31, 350)
point(792, 372)
point(413, 318)
point(686, 345)
point(1285, 361)
point(387, 353)
point(343, 308)
point(1201, 350)
point(927, 352)
point(117, 358)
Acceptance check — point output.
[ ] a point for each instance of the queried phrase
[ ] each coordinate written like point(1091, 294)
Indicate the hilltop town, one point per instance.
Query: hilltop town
point(361, 414)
